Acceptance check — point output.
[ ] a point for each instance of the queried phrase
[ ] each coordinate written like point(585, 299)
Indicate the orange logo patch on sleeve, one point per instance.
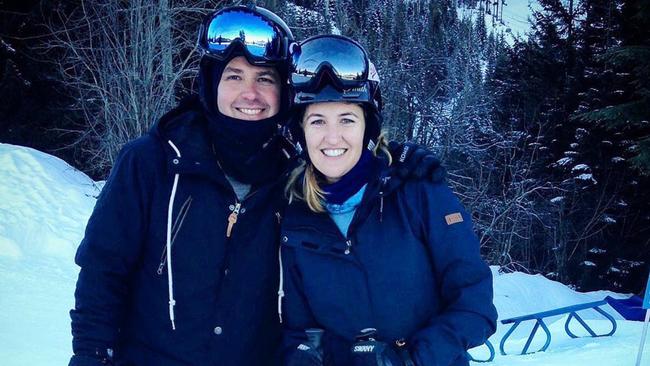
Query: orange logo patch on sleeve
point(454, 218)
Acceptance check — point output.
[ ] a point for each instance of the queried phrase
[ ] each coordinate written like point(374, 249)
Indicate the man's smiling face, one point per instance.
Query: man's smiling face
point(248, 92)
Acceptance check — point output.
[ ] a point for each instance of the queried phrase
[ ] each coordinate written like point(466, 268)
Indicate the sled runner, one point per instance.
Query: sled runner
point(539, 322)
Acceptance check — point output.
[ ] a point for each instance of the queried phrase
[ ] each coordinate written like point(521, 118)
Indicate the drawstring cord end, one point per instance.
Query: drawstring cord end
point(280, 296)
point(172, 303)
point(280, 286)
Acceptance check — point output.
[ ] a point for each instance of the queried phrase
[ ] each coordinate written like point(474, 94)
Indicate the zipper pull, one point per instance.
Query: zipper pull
point(232, 219)
point(160, 268)
point(381, 206)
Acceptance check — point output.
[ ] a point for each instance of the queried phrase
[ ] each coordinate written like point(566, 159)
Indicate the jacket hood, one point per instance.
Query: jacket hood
point(388, 181)
point(182, 132)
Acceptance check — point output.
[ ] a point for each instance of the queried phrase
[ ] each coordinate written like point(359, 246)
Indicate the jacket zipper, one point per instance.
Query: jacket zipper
point(232, 218)
point(175, 229)
point(236, 210)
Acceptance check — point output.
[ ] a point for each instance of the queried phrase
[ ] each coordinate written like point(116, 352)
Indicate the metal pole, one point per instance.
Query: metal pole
point(645, 331)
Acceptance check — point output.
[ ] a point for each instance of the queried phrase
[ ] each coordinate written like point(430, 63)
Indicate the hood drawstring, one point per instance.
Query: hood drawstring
point(281, 285)
point(170, 211)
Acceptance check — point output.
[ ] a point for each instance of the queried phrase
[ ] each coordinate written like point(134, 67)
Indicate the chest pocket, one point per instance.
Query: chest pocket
point(308, 239)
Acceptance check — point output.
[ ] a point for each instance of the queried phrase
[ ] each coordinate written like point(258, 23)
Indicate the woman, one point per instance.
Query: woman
point(376, 271)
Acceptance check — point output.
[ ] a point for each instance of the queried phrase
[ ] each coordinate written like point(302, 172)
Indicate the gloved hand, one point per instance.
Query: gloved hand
point(412, 161)
point(304, 356)
point(99, 358)
point(374, 353)
point(308, 353)
point(369, 352)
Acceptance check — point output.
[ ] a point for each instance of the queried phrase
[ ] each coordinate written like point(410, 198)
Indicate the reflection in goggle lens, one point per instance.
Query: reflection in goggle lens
point(259, 37)
point(345, 59)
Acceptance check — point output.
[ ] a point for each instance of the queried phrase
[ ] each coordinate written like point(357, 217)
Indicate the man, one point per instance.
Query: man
point(179, 263)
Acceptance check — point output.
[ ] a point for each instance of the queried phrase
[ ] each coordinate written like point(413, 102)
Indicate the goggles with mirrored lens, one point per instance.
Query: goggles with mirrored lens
point(340, 57)
point(263, 41)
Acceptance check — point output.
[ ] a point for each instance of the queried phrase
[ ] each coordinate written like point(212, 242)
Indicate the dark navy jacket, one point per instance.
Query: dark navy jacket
point(410, 267)
point(224, 288)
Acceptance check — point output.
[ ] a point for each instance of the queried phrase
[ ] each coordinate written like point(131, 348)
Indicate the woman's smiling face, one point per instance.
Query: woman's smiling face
point(334, 136)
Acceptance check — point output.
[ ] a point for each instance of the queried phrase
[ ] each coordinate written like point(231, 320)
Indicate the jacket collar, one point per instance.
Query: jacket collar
point(379, 186)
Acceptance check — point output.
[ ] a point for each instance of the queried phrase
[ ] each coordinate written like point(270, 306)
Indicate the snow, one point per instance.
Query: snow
point(44, 206)
point(564, 161)
point(312, 16)
point(608, 219)
point(515, 24)
point(7, 46)
point(586, 177)
point(580, 167)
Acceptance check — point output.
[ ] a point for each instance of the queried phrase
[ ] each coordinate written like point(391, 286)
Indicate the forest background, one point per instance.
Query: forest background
point(545, 136)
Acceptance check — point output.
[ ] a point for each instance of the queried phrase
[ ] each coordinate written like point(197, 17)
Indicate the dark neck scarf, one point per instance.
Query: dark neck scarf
point(352, 181)
point(246, 150)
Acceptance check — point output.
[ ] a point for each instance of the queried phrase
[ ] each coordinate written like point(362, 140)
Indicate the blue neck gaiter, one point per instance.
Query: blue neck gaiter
point(352, 181)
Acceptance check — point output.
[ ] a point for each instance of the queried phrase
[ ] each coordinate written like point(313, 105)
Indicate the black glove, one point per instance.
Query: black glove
point(369, 352)
point(100, 358)
point(306, 357)
point(309, 353)
point(412, 161)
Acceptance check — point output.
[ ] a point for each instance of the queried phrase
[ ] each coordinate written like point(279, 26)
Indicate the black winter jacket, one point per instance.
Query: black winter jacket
point(410, 267)
point(224, 288)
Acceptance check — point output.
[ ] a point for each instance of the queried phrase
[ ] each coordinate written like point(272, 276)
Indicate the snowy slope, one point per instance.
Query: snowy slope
point(516, 16)
point(513, 24)
point(44, 206)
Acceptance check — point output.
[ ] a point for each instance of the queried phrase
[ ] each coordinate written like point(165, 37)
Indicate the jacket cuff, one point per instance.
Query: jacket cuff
point(81, 360)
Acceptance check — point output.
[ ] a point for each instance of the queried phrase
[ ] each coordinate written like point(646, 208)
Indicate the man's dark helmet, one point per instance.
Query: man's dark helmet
point(250, 31)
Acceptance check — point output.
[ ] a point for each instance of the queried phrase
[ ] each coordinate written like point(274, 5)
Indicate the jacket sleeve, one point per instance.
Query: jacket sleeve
point(107, 256)
point(465, 281)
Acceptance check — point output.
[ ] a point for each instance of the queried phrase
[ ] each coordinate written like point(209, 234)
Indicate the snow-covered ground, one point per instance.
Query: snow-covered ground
point(44, 205)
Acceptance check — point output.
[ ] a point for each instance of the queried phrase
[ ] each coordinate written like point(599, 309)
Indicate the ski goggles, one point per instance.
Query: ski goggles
point(263, 41)
point(342, 58)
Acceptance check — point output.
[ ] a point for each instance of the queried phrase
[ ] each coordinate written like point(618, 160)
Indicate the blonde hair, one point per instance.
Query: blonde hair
point(310, 190)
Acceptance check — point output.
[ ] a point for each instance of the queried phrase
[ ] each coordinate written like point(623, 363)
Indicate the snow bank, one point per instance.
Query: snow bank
point(520, 293)
point(44, 206)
